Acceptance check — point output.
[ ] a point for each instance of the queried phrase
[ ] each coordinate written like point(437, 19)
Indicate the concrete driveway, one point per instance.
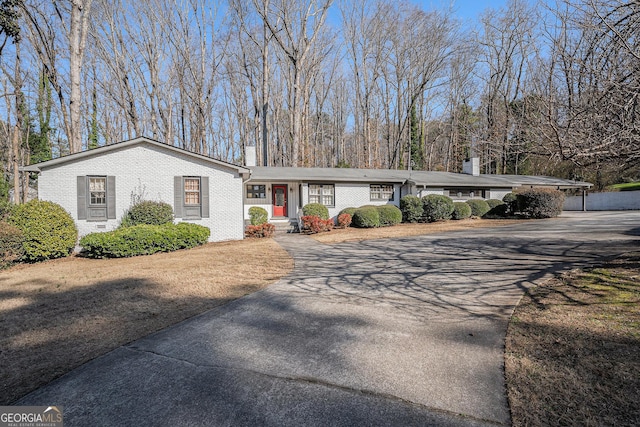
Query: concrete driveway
point(403, 331)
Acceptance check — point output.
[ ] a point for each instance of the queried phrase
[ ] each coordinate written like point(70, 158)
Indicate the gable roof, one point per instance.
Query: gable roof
point(541, 180)
point(127, 144)
point(267, 173)
point(419, 178)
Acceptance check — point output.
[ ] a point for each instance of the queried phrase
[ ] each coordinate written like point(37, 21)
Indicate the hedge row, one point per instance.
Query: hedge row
point(532, 203)
point(376, 216)
point(144, 239)
point(368, 216)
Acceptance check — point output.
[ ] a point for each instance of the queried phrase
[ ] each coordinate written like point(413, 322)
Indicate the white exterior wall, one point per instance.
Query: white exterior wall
point(427, 191)
point(352, 195)
point(149, 168)
point(267, 203)
point(497, 193)
point(611, 201)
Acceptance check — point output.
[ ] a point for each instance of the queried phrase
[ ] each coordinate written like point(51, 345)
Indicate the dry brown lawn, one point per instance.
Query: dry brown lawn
point(573, 349)
point(56, 315)
point(406, 230)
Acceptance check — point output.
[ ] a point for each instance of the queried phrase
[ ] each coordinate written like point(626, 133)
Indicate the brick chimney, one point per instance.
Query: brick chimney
point(471, 166)
point(250, 155)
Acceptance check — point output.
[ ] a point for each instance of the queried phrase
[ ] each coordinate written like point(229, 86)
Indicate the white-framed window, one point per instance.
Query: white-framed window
point(322, 193)
point(98, 191)
point(381, 192)
point(191, 197)
point(256, 191)
point(192, 191)
point(464, 193)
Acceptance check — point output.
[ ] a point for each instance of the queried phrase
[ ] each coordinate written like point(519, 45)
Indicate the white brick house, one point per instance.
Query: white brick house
point(97, 186)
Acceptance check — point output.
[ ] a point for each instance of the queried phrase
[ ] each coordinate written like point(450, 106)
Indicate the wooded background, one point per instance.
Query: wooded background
point(548, 88)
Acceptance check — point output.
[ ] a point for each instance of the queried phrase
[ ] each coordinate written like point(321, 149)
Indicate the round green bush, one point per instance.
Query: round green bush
point(144, 239)
point(48, 230)
point(389, 215)
point(411, 207)
point(511, 200)
point(349, 211)
point(148, 212)
point(494, 202)
point(367, 217)
point(461, 210)
point(540, 202)
point(258, 215)
point(479, 207)
point(11, 244)
point(436, 207)
point(497, 209)
point(315, 209)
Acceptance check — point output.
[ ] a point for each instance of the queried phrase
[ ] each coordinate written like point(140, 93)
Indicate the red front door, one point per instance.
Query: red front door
point(279, 200)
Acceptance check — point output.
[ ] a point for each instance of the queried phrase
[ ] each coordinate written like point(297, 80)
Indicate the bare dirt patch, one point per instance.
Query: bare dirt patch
point(406, 230)
point(572, 349)
point(56, 315)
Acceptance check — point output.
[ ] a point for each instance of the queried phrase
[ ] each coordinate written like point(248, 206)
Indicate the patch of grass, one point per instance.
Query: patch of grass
point(406, 230)
point(572, 349)
point(626, 186)
point(57, 315)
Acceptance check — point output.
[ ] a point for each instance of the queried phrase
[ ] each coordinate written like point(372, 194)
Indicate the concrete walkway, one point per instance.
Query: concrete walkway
point(403, 331)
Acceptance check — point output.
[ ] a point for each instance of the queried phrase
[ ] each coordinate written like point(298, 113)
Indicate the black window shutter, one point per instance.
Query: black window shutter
point(204, 196)
point(178, 198)
point(82, 197)
point(111, 197)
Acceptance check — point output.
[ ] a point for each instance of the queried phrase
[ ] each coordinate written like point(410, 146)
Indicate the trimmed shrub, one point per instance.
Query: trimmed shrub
point(461, 210)
point(48, 230)
point(11, 240)
point(497, 209)
point(540, 202)
point(494, 202)
point(144, 239)
point(436, 207)
point(258, 215)
point(411, 208)
point(366, 217)
point(260, 231)
point(479, 207)
point(344, 220)
point(315, 209)
point(389, 215)
point(147, 212)
point(313, 224)
point(511, 200)
point(349, 211)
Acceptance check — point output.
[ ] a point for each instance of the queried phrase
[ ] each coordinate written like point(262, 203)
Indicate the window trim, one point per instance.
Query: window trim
point(381, 193)
point(465, 193)
point(321, 195)
point(90, 192)
point(253, 190)
point(186, 192)
point(86, 210)
point(191, 211)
